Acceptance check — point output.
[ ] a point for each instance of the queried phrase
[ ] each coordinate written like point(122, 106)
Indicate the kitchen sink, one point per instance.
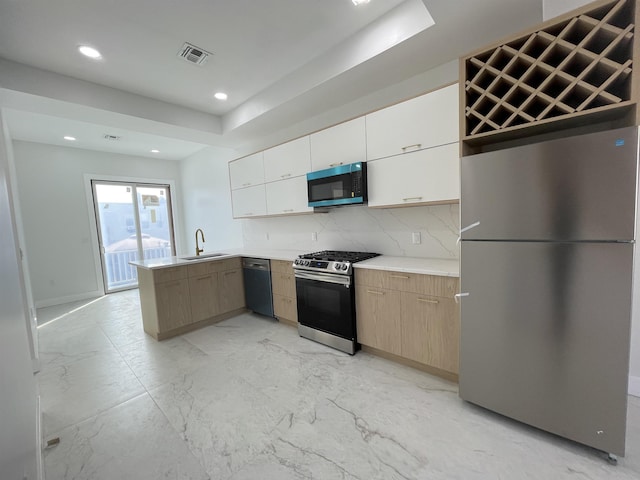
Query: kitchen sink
point(205, 255)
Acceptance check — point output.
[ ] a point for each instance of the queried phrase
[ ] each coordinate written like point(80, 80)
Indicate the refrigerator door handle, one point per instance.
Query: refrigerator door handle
point(468, 227)
point(458, 296)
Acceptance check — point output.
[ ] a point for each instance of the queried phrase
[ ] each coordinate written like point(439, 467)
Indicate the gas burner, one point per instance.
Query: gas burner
point(339, 256)
point(331, 261)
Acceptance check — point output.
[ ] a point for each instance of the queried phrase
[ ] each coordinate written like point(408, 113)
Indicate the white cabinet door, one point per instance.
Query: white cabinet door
point(427, 176)
point(340, 145)
point(247, 171)
point(288, 196)
point(422, 122)
point(249, 202)
point(288, 160)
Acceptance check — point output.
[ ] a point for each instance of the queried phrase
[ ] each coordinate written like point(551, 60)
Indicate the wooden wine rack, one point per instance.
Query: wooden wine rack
point(571, 71)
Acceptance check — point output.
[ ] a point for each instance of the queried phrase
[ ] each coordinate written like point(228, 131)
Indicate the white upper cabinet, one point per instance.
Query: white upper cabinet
point(288, 160)
point(249, 202)
point(427, 176)
point(247, 171)
point(340, 145)
point(422, 122)
point(287, 197)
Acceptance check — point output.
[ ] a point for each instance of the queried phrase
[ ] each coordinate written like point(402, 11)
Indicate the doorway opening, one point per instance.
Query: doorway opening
point(134, 223)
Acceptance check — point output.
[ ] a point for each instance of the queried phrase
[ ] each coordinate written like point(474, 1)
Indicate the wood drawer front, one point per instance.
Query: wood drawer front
point(408, 282)
point(169, 274)
point(281, 266)
point(283, 284)
point(201, 268)
point(431, 331)
point(204, 268)
point(436, 285)
point(228, 264)
point(285, 307)
point(386, 279)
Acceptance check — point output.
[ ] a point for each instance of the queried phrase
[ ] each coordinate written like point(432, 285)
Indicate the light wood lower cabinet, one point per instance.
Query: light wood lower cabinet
point(173, 304)
point(430, 331)
point(410, 316)
point(378, 318)
point(283, 284)
point(178, 299)
point(231, 290)
point(203, 295)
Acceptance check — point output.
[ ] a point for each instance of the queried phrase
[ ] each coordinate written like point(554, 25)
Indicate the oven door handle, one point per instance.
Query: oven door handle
point(323, 277)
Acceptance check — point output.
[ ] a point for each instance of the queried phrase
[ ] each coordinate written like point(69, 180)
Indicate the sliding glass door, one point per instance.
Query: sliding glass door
point(134, 223)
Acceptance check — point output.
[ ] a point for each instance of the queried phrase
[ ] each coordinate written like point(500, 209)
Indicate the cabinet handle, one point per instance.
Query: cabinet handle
point(204, 278)
point(232, 272)
point(428, 300)
point(458, 296)
point(411, 199)
point(172, 284)
point(286, 175)
point(335, 164)
point(404, 277)
point(246, 184)
point(374, 292)
point(415, 145)
point(248, 213)
point(288, 210)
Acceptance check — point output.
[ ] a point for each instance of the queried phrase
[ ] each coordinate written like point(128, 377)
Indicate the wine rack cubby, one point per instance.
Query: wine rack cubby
point(572, 71)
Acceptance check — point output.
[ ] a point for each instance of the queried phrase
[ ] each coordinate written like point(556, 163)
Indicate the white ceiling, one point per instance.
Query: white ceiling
point(280, 61)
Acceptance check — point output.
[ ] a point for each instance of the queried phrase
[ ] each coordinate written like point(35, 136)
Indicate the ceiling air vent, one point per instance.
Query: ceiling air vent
point(108, 136)
point(193, 54)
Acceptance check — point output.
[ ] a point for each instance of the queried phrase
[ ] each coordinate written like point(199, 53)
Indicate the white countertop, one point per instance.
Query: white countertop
point(153, 263)
point(427, 266)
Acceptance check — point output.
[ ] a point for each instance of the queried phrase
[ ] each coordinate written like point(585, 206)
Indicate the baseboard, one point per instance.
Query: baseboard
point(39, 445)
point(634, 386)
point(68, 299)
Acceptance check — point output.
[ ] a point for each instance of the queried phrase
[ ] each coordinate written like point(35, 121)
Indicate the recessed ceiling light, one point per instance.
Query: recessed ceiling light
point(69, 138)
point(221, 96)
point(90, 52)
point(155, 151)
point(360, 2)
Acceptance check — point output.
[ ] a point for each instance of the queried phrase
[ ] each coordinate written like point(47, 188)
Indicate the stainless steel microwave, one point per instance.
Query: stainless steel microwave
point(342, 185)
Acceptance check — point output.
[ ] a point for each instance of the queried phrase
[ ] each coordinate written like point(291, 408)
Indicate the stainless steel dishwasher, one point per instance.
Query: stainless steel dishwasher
point(257, 285)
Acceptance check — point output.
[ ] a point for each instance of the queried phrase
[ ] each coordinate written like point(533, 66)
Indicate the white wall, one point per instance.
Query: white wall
point(56, 213)
point(18, 395)
point(553, 8)
point(386, 231)
point(206, 200)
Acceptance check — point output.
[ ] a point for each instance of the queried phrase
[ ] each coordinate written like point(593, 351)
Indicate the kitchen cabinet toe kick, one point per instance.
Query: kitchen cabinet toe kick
point(192, 326)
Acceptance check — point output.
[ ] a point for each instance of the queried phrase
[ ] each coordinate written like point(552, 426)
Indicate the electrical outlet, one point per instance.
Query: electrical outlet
point(314, 236)
point(415, 238)
point(266, 236)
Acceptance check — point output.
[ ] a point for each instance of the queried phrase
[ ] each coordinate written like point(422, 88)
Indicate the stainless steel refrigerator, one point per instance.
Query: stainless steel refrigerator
point(547, 249)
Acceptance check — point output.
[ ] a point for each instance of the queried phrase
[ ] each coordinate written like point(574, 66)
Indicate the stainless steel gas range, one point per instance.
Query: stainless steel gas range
point(326, 297)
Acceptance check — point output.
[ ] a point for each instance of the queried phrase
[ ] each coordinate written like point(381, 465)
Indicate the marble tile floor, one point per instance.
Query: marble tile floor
point(249, 399)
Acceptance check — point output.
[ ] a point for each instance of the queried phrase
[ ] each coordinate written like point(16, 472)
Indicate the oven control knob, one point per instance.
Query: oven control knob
point(337, 266)
point(345, 266)
point(296, 261)
point(307, 263)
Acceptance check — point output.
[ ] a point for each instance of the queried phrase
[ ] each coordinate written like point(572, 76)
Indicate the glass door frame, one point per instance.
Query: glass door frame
point(134, 184)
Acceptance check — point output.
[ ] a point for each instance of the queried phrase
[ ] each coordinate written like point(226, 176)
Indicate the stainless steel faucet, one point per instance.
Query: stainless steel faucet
point(198, 249)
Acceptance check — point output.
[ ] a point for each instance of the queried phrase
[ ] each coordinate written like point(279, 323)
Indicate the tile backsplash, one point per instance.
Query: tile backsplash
point(387, 231)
